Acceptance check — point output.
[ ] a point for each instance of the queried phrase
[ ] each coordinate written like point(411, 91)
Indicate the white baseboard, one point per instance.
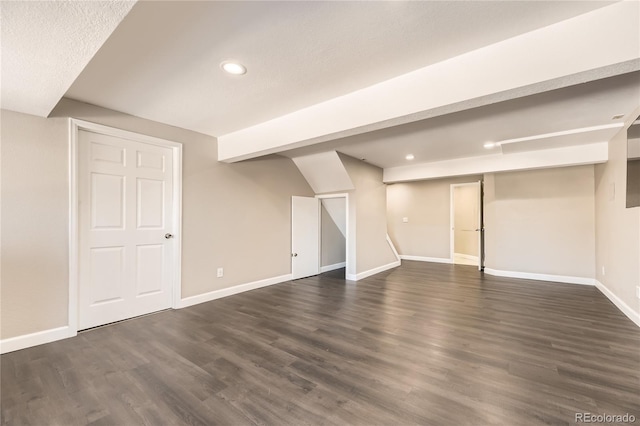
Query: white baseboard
point(426, 259)
point(393, 247)
point(230, 291)
point(365, 274)
point(466, 256)
point(626, 309)
point(34, 339)
point(332, 267)
point(541, 277)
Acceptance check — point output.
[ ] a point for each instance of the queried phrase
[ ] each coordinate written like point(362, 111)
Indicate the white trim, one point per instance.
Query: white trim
point(541, 277)
point(230, 291)
point(465, 256)
point(336, 195)
point(393, 247)
point(333, 267)
point(426, 259)
point(34, 339)
point(620, 304)
point(75, 125)
point(72, 319)
point(452, 237)
point(177, 225)
point(119, 133)
point(365, 274)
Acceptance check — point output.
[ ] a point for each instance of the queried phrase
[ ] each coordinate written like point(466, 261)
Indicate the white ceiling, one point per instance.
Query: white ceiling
point(162, 63)
point(44, 45)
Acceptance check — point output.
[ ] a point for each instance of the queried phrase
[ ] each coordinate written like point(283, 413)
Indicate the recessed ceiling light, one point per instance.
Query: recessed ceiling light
point(234, 68)
point(410, 157)
point(617, 117)
point(490, 145)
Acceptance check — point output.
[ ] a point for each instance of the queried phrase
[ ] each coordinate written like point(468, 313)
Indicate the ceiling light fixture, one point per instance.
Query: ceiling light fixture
point(234, 68)
point(410, 157)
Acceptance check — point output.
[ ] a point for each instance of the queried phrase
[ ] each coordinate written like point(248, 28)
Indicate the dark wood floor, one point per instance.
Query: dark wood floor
point(425, 344)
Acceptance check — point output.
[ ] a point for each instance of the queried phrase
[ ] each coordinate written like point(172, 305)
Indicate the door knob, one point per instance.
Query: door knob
point(167, 236)
point(294, 254)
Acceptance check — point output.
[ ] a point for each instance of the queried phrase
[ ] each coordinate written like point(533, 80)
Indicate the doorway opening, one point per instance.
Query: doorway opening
point(319, 234)
point(333, 235)
point(467, 242)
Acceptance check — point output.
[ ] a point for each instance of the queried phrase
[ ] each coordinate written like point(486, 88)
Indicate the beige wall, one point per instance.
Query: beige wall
point(333, 243)
point(465, 220)
point(541, 221)
point(427, 206)
point(235, 216)
point(369, 200)
point(35, 197)
point(617, 228)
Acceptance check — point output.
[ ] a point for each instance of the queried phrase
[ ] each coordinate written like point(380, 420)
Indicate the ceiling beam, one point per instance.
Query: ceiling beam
point(559, 157)
point(595, 45)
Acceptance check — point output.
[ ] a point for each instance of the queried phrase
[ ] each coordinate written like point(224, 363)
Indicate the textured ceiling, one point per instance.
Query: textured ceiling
point(46, 44)
point(160, 60)
point(162, 63)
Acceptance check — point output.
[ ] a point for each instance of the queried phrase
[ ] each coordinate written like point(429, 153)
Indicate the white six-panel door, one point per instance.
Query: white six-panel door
point(125, 192)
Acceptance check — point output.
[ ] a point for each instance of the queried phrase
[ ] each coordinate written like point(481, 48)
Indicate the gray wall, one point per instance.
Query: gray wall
point(617, 228)
point(427, 205)
point(541, 221)
point(235, 216)
point(34, 245)
point(332, 243)
point(368, 203)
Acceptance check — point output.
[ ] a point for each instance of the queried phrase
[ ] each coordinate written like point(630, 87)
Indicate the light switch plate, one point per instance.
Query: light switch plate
point(220, 273)
point(405, 220)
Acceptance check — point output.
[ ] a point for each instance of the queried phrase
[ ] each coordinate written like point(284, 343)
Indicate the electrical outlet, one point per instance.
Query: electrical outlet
point(405, 220)
point(220, 273)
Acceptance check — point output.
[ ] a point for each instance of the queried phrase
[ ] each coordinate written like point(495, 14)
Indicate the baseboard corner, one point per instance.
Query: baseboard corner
point(370, 272)
point(619, 303)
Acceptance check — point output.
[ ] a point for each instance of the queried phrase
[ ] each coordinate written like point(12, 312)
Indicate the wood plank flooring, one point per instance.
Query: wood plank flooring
point(427, 344)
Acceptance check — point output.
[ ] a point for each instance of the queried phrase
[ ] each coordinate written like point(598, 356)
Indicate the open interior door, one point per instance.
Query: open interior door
point(305, 237)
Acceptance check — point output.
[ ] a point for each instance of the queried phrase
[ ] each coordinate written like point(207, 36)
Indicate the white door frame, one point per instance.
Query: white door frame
point(453, 186)
point(75, 126)
point(347, 236)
